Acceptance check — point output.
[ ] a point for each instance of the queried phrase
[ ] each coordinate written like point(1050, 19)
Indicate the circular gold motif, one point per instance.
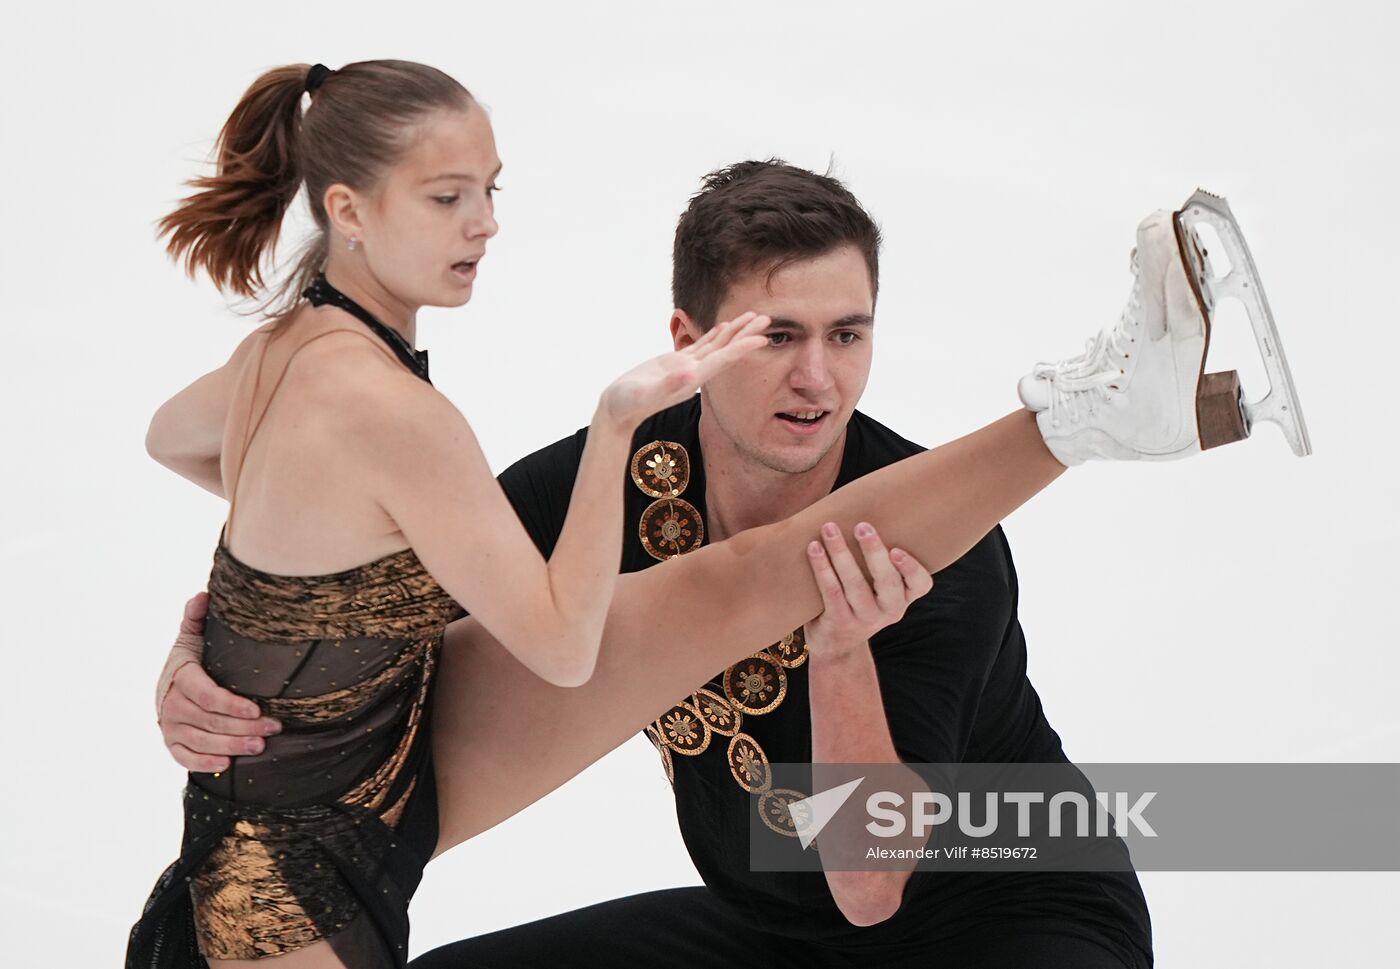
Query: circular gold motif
point(776, 809)
point(661, 469)
point(749, 764)
point(671, 527)
point(718, 712)
point(755, 685)
point(791, 650)
point(684, 731)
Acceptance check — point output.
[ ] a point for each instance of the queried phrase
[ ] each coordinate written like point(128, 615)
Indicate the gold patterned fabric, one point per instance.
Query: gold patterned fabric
point(323, 835)
point(671, 526)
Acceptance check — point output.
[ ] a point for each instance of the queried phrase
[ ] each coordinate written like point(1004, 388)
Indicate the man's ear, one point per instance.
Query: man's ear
point(684, 330)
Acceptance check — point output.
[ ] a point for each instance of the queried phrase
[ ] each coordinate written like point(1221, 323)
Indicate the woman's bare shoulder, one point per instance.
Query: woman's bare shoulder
point(356, 382)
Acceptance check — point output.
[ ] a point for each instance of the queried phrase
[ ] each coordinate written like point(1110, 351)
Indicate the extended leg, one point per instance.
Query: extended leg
point(504, 738)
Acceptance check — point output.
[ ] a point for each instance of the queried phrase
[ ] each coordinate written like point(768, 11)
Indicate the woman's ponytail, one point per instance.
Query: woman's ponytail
point(232, 221)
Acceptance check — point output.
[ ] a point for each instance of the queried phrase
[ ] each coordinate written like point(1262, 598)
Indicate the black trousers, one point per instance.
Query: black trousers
point(690, 927)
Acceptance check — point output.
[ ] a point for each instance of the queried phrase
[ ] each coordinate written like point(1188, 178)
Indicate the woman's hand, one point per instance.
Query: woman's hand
point(672, 377)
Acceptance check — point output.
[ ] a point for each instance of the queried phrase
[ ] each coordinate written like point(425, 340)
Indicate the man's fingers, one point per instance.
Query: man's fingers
point(833, 598)
point(194, 683)
point(917, 580)
point(199, 763)
point(853, 581)
point(889, 583)
point(180, 710)
point(209, 743)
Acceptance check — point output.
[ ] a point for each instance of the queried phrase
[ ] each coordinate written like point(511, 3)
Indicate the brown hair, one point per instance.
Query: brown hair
point(762, 214)
point(355, 128)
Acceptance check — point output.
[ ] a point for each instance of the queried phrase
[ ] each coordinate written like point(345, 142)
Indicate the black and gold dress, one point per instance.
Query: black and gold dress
point(323, 835)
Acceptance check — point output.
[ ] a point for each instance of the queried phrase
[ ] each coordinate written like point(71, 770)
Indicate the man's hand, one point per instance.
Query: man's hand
point(853, 610)
point(202, 723)
point(849, 725)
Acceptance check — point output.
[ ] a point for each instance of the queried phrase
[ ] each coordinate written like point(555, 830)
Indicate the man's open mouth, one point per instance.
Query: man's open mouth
point(802, 418)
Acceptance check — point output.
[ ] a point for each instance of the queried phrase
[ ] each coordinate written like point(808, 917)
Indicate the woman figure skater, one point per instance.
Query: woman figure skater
point(362, 511)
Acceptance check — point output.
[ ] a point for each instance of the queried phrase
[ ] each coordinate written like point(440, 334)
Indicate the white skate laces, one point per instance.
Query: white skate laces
point(1140, 390)
point(1077, 386)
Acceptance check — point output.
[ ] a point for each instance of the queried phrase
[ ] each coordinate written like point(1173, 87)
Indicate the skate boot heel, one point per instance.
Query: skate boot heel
point(1220, 416)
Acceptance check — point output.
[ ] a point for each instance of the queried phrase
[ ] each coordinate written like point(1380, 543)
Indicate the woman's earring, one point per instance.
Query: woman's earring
point(353, 244)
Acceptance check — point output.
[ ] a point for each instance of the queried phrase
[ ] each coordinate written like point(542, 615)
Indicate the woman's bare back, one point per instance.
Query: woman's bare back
point(299, 479)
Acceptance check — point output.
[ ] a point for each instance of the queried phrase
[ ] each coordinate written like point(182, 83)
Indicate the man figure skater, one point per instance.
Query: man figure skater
point(945, 683)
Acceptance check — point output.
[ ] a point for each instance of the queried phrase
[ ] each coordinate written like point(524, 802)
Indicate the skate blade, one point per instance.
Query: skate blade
point(1280, 405)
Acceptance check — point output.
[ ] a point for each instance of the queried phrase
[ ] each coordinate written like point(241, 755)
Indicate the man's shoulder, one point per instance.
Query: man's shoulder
point(871, 445)
point(679, 422)
point(552, 461)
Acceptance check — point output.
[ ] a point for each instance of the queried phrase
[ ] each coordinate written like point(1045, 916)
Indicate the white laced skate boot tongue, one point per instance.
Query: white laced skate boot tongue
point(1093, 369)
point(1140, 391)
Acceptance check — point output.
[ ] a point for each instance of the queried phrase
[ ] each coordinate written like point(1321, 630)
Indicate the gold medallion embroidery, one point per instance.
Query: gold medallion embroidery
point(791, 650)
point(749, 764)
point(779, 810)
point(661, 469)
point(671, 527)
point(755, 685)
point(718, 712)
point(684, 731)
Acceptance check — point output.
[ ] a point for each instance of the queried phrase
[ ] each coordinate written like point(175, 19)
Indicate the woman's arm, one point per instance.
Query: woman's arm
point(186, 433)
point(434, 482)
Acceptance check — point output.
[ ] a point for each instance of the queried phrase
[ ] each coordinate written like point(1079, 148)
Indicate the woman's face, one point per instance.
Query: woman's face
point(424, 227)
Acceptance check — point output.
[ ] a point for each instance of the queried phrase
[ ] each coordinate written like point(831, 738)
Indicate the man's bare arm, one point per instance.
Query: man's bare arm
point(849, 723)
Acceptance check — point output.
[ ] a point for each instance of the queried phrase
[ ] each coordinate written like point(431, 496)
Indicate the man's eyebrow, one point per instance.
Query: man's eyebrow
point(851, 319)
point(460, 176)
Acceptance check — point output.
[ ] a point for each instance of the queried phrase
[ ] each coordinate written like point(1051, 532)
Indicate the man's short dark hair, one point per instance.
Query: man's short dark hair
point(762, 215)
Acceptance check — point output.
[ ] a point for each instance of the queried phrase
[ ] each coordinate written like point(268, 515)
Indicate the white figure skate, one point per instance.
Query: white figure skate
point(1141, 391)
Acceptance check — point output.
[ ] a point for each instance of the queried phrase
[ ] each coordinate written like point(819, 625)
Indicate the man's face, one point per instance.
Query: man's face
point(786, 405)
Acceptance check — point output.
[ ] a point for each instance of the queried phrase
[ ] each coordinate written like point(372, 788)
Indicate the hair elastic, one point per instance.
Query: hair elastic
point(316, 77)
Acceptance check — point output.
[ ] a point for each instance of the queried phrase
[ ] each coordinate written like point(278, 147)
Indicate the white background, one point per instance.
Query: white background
point(1230, 608)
